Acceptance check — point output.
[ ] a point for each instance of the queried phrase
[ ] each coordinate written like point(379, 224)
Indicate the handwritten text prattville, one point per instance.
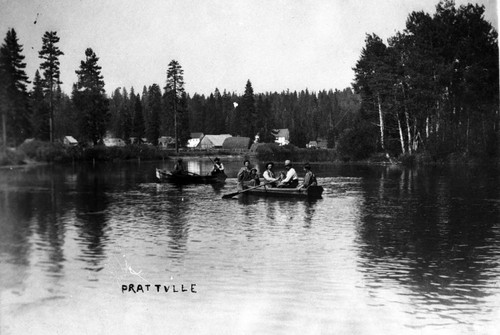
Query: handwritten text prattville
point(159, 288)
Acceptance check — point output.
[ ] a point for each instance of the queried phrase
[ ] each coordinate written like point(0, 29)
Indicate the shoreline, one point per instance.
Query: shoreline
point(41, 153)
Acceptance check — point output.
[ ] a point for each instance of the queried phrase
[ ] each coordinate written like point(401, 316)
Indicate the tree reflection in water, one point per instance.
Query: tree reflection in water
point(433, 232)
point(91, 203)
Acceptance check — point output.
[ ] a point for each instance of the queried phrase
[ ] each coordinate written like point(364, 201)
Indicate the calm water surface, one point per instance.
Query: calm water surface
point(385, 251)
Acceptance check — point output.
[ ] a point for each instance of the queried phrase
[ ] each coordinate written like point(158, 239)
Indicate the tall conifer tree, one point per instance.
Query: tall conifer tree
point(14, 99)
point(41, 111)
point(51, 74)
point(176, 101)
point(90, 100)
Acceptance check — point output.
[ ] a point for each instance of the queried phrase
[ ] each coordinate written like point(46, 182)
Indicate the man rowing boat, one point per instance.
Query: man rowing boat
point(291, 180)
point(269, 175)
point(245, 177)
point(179, 167)
point(309, 178)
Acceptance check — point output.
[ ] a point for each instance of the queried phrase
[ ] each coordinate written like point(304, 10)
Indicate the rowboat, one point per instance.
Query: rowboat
point(189, 177)
point(312, 192)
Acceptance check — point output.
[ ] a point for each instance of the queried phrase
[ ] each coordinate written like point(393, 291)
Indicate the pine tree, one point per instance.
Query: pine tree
point(138, 131)
point(65, 116)
point(176, 102)
point(127, 114)
point(248, 115)
point(14, 99)
point(50, 66)
point(373, 80)
point(41, 111)
point(211, 116)
point(90, 100)
point(154, 100)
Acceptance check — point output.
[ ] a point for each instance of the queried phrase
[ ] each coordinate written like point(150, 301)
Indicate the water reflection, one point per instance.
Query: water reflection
point(36, 212)
point(277, 208)
point(422, 241)
point(91, 203)
point(176, 206)
point(16, 211)
point(432, 233)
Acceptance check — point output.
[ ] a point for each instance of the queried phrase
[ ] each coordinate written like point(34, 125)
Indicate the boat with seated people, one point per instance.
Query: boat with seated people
point(189, 177)
point(312, 192)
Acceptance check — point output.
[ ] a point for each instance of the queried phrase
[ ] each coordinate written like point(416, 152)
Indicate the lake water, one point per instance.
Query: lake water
point(387, 250)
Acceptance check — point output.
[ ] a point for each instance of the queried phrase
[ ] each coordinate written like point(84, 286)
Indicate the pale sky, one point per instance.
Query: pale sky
point(277, 44)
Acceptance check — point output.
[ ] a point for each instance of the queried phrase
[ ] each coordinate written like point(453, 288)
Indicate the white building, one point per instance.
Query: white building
point(70, 140)
point(194, 140)
point(282, 136)
point(114, 142)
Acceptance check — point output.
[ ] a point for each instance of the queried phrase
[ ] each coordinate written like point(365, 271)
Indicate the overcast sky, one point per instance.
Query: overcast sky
point(277, 44)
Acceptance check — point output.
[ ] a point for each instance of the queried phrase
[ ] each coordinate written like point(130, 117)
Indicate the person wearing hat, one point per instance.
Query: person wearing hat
point(218, 167)
point(269, 176)
point(291, 179)
point(254, 177)
point(179, 167)
point(244, 176)
point(309, 178)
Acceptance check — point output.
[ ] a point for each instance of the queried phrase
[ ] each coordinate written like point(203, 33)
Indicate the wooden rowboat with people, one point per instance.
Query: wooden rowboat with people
point(180, 175)
point(287, 186)
point(312, 192)
point(189, 177)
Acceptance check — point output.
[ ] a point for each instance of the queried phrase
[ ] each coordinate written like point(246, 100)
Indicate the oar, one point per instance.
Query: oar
point(210, 159)
point(230, 195)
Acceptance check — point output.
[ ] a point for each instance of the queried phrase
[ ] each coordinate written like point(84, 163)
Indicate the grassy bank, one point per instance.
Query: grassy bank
point(46, 152)
point(274, 152)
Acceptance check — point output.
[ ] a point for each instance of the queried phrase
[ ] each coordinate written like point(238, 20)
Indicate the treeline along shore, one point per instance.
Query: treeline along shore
point(46, 152)
point(428, 94)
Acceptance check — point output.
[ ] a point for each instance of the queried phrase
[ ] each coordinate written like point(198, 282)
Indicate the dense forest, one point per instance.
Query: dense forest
point(432, 88)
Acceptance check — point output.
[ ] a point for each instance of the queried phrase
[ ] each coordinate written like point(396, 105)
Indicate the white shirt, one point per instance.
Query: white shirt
point(220, 166)
point(290, 175)
point(267, 176)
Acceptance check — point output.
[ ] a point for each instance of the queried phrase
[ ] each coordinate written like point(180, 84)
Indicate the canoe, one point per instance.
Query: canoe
point(313, 192)
point(189, 178)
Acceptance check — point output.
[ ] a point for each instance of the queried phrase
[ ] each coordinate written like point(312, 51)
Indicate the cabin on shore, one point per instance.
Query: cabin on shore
point(194, 140)
point(212, 141)
point(70, 141)
point(165, 142)
point(281, 136)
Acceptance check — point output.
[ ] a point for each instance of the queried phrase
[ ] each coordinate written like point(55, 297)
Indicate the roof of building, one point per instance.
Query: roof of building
point(281, 133)
point(237, 143)
point(70, 139)
point(215, 140)
point(197, 135)
point(166, 140)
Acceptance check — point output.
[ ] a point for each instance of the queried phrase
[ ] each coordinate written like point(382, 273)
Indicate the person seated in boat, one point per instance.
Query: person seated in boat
point(179, 167)
point(218, 167)
point(309, 178)
point(244, 176)
point(291, 180)
point(254, 177)
point(269, 176)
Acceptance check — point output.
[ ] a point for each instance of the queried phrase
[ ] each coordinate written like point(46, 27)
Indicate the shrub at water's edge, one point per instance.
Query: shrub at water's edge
point(44, 151)
point(12, 157)
point(102, 153)
point(274, 152)
point(40, 151)
point(348, 151)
